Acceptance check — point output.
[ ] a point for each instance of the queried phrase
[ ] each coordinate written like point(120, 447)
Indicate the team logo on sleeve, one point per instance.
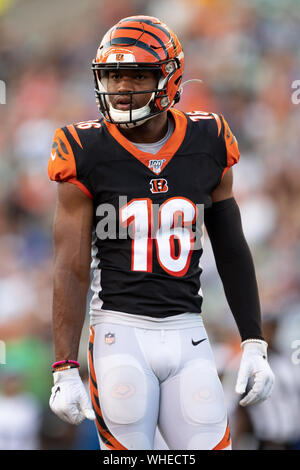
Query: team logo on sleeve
point(58, 148)
point(159, 186)
point(156, 165)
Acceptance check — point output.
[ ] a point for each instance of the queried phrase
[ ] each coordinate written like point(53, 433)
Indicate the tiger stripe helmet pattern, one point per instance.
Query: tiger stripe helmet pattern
point(139, 43)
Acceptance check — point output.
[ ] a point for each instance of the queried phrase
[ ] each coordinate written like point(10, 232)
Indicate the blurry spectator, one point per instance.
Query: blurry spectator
point(55, 434)
point(19, 414)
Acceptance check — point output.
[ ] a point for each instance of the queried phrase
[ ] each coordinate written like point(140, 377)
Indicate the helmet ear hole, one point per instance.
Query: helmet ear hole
point(169, 67)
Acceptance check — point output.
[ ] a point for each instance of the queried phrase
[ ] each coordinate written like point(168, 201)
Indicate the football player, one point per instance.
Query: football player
point(145, 178)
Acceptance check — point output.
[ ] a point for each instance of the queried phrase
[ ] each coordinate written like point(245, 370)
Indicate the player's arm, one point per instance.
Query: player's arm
point(224, 190)
point(72, 241)
point(236, 269)
point(233, 259)
point(72, 257)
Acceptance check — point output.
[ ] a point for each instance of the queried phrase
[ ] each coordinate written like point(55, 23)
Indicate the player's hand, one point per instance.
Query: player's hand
point(254, 364)
point(69, 399)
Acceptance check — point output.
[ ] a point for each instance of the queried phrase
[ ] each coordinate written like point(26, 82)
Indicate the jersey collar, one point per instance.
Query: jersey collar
point(167, 152)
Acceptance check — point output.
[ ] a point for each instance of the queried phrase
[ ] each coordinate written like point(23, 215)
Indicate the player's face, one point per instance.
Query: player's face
point(130, 80)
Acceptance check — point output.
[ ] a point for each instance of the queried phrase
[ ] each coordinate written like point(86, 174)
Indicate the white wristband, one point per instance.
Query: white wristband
point(254, 340)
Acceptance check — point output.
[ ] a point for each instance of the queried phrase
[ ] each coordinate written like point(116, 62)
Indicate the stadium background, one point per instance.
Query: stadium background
point(247, 54)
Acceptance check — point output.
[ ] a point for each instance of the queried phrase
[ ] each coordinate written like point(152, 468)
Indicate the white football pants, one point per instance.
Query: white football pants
point(146, 373)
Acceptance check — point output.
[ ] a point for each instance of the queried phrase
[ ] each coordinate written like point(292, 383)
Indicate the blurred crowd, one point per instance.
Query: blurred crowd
point(247, 55)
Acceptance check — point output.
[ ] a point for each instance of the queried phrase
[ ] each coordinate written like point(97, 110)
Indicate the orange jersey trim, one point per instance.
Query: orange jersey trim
point(218, 121)
point(112, 443)
point(73, 132)
point(224, 171)
point(167, 151)
point(225, 442)
point(80, 186)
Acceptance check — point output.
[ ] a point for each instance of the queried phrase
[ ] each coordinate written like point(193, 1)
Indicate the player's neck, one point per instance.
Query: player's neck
point(151, 131)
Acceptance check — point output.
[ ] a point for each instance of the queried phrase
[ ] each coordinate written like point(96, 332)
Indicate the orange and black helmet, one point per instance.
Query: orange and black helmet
point(139, 43)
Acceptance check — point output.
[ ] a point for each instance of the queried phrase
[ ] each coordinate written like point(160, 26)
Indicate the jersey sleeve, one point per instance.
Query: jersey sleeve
point(62, 162)
point(229, 141)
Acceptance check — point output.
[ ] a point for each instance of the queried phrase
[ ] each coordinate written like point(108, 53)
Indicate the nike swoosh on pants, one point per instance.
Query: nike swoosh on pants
point(195, 343)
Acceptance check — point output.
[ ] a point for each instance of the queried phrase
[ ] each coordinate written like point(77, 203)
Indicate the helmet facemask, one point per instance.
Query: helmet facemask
point(159, 100)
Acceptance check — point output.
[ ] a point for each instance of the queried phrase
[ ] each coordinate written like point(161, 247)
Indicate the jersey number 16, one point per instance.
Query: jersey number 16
point(139, 214)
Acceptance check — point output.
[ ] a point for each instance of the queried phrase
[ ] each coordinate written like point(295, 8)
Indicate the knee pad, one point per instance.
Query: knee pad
point(122, 388)
point(201, 394)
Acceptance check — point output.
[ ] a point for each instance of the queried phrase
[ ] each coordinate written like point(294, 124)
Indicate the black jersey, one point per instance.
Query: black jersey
point(147, 208)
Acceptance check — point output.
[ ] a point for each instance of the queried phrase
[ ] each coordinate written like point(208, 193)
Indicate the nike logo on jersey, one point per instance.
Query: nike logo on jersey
point(194, 343)
point(53, 156)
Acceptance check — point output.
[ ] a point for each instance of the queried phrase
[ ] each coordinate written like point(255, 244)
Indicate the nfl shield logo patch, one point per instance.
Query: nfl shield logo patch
point(110, 338)
point(156, 165)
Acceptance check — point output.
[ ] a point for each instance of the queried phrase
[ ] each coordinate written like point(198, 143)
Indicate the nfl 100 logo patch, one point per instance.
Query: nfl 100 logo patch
point(156, 165)
point(110, 338)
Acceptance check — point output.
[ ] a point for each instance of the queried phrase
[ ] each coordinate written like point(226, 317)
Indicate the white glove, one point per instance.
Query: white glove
point(254, 363)
point(69, 399)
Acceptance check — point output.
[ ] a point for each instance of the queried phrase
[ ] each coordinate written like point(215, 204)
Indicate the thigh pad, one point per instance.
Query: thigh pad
point(122, 388)
point(201, 393)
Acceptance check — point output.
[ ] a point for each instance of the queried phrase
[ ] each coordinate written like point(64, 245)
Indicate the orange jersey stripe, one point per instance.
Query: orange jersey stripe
point(218, 120)
point(225, 441)
point(80, 186)
point(232, 148)
point(110, 441)
point(73, 132)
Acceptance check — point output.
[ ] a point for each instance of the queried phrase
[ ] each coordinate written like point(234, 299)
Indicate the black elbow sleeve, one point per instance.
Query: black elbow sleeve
point(235, 265)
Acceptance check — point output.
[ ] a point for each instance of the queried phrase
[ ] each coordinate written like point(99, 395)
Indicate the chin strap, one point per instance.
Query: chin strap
point(122, 117)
